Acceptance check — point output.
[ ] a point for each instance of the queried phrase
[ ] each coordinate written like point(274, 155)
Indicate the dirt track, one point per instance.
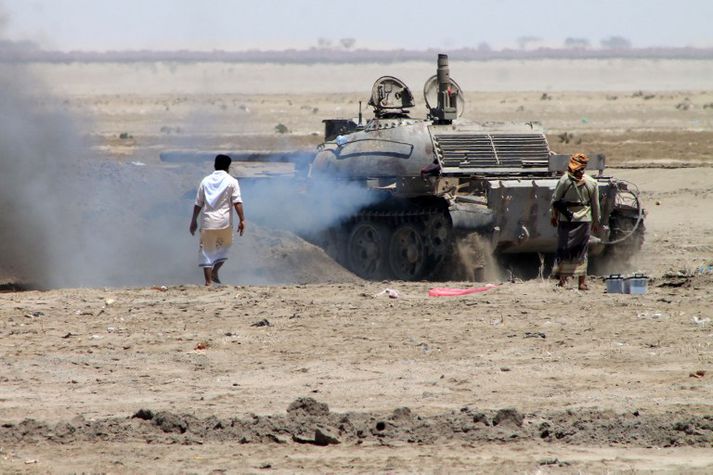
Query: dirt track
point(523, 378)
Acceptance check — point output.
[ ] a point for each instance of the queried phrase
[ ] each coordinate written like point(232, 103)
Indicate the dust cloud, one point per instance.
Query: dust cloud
point(472, 259)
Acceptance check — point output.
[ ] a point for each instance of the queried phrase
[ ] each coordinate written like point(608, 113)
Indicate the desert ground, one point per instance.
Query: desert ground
point(297, 365)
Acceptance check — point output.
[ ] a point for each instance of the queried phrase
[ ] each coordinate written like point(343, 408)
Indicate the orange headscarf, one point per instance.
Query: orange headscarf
point(577, 162)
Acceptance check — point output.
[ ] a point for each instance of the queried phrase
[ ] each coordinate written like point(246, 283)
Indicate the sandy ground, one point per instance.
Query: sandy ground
point(594, 381)
point(321, 374)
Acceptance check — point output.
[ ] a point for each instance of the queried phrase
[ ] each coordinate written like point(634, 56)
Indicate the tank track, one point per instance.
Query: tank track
point(409, 244)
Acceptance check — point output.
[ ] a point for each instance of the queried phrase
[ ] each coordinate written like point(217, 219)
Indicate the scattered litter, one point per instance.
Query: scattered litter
point(700, 321)
point(706, 269)
point(30, 462)
point(96, 337)
point(651, 315)
point(698, 374)
point(110, 329)
point(535, 335)
point(262, 323)
point(391, 293)
point(109, 302)
point(162, 288)
point(34, 315)
point(69, 334)
point(424, 347)
point(498, 321)
point(451, 292)
point(203, 345)
point(138, 164)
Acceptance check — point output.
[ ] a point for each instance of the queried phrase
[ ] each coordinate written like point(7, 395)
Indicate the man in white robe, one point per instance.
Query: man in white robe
point(217, 194)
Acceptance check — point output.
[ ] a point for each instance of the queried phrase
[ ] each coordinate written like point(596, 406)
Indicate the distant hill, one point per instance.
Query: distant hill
point(11, 52)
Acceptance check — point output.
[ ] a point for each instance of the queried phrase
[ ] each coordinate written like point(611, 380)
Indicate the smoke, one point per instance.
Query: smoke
point(34, 150)
point(65, 217)
point(71, 218)
point(305, 207)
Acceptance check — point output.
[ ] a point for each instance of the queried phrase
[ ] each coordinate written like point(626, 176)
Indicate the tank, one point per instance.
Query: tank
point(442, 188)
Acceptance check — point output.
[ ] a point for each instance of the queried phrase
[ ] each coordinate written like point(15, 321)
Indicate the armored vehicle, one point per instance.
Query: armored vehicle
point(438, 182)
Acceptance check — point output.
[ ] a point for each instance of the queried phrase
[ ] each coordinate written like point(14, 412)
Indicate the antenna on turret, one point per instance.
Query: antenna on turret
point(360, 117)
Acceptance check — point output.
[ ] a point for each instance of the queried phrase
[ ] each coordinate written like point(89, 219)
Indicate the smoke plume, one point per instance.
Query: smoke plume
point(69, 217)
point(35, 151)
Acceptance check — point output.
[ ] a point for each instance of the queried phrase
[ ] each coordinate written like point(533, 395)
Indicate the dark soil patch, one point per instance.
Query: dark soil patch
point(310, 422)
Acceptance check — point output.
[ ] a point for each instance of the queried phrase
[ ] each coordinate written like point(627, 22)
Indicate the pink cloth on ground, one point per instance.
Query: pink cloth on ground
point(450, 292)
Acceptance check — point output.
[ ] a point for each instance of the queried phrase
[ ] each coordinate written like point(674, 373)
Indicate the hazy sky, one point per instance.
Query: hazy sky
point(410, 24)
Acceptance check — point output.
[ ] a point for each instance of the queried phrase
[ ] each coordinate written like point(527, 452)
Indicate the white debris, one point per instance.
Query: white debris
point(391, 293)
point(700, 321)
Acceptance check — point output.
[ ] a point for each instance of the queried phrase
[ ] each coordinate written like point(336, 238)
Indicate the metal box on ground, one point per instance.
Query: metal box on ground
point(637, 284)
point(615, 284)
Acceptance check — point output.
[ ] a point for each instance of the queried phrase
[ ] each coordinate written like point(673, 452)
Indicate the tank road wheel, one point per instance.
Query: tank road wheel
point(407, 253)
point(366, 249)
point(438, 239)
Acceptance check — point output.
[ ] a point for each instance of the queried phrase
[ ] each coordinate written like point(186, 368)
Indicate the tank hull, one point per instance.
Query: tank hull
point(493, 181)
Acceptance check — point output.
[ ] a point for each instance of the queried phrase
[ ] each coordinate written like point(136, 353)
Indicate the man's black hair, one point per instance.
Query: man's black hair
point(222, 162)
